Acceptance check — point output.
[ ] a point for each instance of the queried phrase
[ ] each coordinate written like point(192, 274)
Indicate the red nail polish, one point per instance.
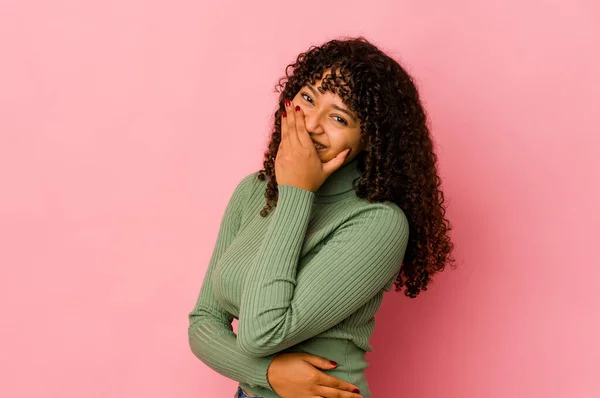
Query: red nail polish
point(297, 107)
point(356, 390)
point(333, 363)
point(284, 114)
point(288, 102)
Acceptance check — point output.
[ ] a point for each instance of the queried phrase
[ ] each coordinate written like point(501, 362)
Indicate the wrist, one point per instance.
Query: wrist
point(298, 186)
point(267, 376)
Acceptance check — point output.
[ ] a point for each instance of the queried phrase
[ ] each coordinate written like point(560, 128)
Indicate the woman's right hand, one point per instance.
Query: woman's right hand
point(295, 375)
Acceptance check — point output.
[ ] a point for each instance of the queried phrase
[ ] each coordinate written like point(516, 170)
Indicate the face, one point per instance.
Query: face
point(329, 122)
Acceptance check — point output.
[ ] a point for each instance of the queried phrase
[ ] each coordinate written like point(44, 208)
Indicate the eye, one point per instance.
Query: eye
point(308, 99)
point(341, 120)
point(305, 96)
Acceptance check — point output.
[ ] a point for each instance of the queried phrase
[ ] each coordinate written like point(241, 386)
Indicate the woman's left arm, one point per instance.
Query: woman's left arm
point(356, 263)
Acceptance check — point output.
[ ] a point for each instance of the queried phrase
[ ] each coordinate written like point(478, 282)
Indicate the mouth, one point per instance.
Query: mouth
point(319, 147)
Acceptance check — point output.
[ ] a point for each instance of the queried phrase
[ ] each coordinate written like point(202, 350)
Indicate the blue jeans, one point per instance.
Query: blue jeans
point(241, 394)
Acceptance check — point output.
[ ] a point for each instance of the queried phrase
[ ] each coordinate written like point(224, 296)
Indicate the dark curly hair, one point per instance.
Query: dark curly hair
point(400, 163)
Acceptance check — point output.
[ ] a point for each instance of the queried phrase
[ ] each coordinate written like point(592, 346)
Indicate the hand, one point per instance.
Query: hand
point(295, 375)
point(297, 162)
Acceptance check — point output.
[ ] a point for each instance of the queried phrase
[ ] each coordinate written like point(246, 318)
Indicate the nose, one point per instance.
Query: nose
point(312, 121)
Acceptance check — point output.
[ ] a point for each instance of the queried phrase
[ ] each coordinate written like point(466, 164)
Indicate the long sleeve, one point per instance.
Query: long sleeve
point(210, 334)
point(279, 308)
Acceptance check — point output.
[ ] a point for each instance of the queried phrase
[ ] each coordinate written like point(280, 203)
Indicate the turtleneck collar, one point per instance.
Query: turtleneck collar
point(339, 184)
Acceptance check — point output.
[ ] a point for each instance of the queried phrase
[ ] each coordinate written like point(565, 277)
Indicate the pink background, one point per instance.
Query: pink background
point(125, 126)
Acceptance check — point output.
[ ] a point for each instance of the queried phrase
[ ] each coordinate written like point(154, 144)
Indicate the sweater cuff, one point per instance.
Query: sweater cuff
point(297, 196)
point(259, 378)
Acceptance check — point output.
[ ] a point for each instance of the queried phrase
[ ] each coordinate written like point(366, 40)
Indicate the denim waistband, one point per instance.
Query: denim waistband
point(241, 394)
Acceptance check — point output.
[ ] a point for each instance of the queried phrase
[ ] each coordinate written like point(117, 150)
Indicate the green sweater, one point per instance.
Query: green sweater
point(309, 277)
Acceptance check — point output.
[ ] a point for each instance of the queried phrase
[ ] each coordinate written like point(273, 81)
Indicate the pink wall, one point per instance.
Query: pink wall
point(125, 125)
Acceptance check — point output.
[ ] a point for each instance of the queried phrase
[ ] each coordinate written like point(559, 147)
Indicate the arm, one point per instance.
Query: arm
point(210, 333)
point(280, 309)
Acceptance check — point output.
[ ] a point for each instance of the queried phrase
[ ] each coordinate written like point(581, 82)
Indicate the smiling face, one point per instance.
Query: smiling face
point(329, 122)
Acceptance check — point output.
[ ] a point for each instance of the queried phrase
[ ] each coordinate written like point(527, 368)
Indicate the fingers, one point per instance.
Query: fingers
point(284, 128)
point(292, 135)
point(302, 133)
point(337, 162)
point(344, 388)
point(328, 392)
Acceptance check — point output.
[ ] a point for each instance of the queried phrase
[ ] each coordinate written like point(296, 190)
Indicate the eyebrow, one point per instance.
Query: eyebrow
point(333, 105)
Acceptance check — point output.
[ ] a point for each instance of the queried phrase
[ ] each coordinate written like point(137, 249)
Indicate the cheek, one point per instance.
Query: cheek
point(357, 139)
point(350, 140)
point(340, 140)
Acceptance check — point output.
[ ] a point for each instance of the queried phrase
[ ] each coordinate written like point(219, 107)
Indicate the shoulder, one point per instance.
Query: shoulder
point(377, 221)
point(248, 183)
point(376, 232)
point(392, 212)
point(378, 212)
point(248, 193)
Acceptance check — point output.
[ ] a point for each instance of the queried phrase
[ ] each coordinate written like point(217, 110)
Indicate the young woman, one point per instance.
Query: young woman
point(349, 170)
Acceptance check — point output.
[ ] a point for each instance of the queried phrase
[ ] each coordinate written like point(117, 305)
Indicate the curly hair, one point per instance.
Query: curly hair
point(400, 164)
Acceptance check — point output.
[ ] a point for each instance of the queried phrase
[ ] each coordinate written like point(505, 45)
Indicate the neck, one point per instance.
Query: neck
point(339, 184)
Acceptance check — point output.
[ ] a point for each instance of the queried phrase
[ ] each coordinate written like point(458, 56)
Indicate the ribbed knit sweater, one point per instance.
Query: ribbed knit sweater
point(309, 277)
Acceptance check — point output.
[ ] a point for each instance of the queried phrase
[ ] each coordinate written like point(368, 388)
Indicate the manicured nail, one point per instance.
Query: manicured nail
point(297, 108)
point(333, 363)
point(356, 390)
point(288, 102)
point(284, 114)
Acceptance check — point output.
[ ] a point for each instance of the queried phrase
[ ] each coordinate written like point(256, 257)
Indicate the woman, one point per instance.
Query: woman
point(350, 166)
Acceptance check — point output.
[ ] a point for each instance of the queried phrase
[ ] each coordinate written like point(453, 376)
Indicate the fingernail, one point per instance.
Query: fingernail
point(284, 114)
point(356, 390)
point(288, 102)
point(297, 108)
point(333, 363)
